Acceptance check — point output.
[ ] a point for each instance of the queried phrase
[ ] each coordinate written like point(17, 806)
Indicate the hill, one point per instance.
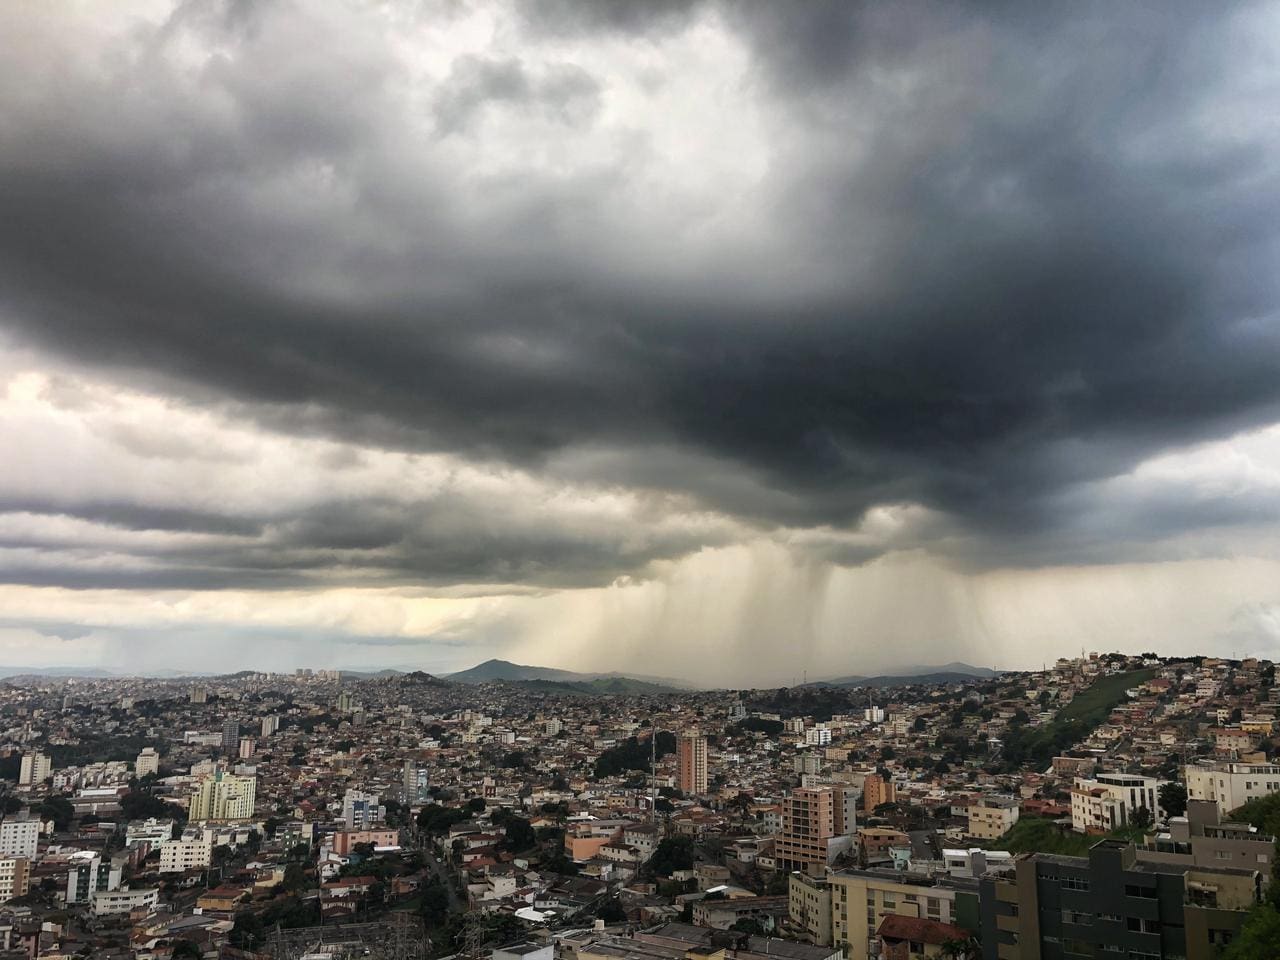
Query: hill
point(947, 673)
point(601, 686)
point(497, 670)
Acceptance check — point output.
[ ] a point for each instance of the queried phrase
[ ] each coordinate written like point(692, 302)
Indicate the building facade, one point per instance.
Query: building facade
point(1113, 904)
point(224, 796)
point(691, 764)
point(1230, 784)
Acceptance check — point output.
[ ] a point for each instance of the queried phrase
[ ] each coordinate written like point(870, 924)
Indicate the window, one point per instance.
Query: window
point(1075, 883)
point(1138, 925)
point(1134, 890)
point(1073, 916)
point(1222, 854)
point(1109, 916)
point(1077, 948)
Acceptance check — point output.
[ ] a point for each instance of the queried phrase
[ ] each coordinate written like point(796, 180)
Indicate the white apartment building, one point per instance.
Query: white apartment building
point(148, 762)
point(1229, 783)
point(179, 856)
point(35, 768)
point(819, 736)
point(151, 831)
point(107, 902)
point(1109, 800)
point(18, 838)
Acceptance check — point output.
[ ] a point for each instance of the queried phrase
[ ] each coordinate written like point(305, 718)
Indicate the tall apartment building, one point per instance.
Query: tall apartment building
point(19, 838)
point(552, 727)
point(1113, 904)
point(817, 824)
point(15, 877)
point(415, 782)
point(361, 811)
point(877, 790)
point(1230, 784)
point(35, 768)
point(148, 762)
point(89, 875)
point(179, 856)
point(691, 764)
point(230, 736)
point(224, 796)
point(1109, 801)
point(270, 725)
point(199, 695)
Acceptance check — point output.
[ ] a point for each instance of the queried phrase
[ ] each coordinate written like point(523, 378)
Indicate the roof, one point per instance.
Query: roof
point(921, 929)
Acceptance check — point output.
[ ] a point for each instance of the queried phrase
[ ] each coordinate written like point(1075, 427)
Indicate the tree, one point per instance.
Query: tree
point(1173, 798)
point(673, 853)
point(57, 809)
point(518, 835)
point(1258, 937)
point(186, 948)
point(435, 903)
point(611, 912)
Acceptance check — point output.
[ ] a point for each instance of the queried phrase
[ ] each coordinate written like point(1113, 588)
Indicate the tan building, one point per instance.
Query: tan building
point(862, 899)
point(15, 877)
point(877, 790)
point(691, 764)
point(817, 824)
point(809, 908)
point(992, 817)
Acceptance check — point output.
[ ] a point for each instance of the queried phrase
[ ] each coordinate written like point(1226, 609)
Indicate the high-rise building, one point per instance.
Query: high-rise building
point(270, 725)
point(1113, 904)
point(90, 874)
point(877, 790)
point(361, 811)
point(344, 702)
point(817, 825)
point(230, 736)
point(248, 746)
point(691, 764)
point(35, 769)
point(199, 695)
point(19, 838)
point(224, 796)
point(415, 782)
point(148, 762)
point(552, 727)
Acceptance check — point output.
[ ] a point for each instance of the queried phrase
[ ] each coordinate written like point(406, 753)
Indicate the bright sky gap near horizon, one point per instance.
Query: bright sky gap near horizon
point(716, 340)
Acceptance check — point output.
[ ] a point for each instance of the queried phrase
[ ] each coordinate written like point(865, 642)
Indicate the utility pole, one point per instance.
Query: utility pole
point(653, 775)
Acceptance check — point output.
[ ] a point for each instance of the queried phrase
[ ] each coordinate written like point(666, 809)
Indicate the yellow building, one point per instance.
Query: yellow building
point(809, 908)
point(861, 899)
point(224, 797)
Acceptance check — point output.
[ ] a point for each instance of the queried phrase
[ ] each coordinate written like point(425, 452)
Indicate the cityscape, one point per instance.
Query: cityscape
point(639, 480)
point(1110, 803)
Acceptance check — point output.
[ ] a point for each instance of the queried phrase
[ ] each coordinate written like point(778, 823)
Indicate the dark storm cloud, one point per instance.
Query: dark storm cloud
point(367, 541)
point(1012, 252)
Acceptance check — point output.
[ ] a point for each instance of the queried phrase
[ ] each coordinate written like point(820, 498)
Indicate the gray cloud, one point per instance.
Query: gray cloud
point(995, 256)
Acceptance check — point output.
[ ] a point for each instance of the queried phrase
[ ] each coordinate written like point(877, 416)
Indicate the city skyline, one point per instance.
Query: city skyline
point(692, 338)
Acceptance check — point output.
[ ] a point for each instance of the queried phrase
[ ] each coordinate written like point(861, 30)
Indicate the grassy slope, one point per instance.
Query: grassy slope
point(1094, 704)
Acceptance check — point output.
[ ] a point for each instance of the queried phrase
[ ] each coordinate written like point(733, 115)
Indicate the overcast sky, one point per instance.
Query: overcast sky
point(721, 340)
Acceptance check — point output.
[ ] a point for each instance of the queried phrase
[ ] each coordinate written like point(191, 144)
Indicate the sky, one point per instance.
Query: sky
point(733, 342)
